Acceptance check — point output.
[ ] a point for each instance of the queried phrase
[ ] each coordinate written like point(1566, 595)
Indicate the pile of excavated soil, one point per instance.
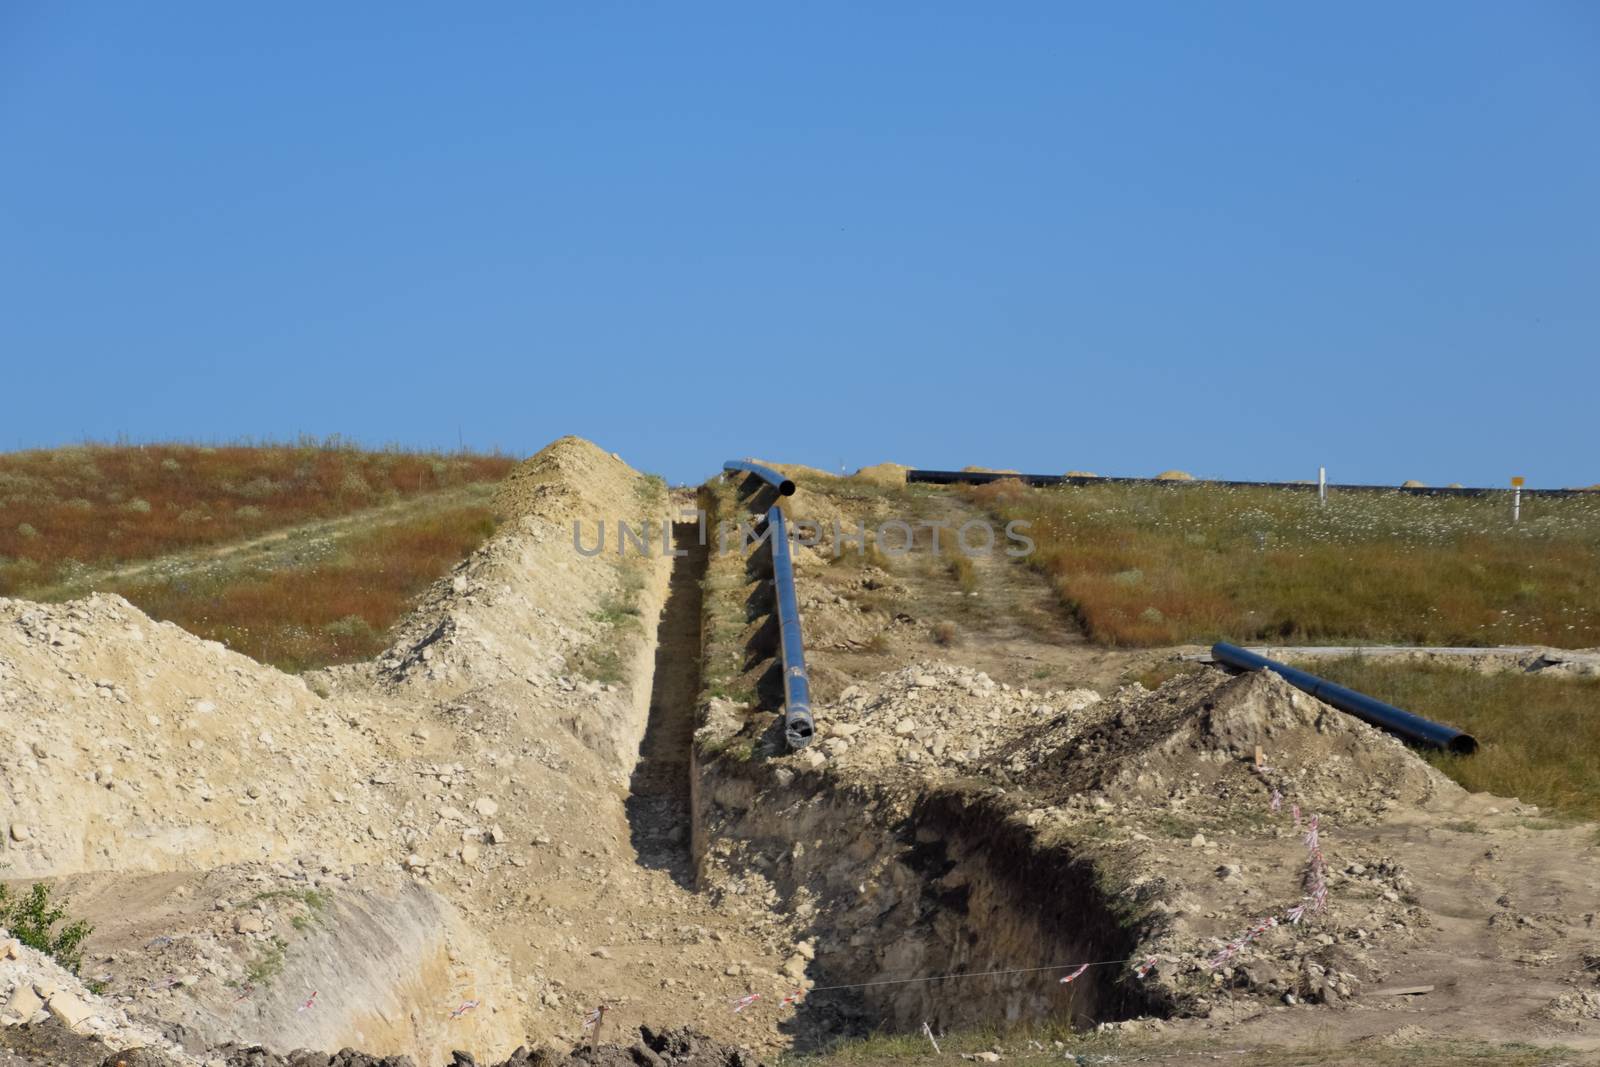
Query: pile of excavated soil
point(886, 474)
point(934, 720)
point(570, 479)
point(131, 744)
point(419, 854)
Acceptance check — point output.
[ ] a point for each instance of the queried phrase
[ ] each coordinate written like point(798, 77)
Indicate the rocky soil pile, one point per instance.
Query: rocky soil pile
point(935, 720)
point(426, 853)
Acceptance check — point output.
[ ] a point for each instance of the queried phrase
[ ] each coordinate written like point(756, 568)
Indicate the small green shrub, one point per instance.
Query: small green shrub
point(31, 919)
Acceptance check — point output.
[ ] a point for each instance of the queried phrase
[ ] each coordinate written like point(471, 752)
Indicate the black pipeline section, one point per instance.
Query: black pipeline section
point(773, 478)
point(1413, 728)
point(798, 725)
point(985, 477)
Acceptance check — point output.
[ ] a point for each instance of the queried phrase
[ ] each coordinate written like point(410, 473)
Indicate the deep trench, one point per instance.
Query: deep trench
point(658, 804)
point(942, 882)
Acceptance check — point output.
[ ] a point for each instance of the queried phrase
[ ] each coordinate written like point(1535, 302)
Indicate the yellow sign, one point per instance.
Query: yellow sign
point(1518, 480)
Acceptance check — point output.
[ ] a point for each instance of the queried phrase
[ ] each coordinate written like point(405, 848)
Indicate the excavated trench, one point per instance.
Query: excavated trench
point(938, 907)
point(658, 804)
point(934, 905)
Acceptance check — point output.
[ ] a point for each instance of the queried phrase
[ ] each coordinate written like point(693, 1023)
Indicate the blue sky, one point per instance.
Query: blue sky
point(1239, 239)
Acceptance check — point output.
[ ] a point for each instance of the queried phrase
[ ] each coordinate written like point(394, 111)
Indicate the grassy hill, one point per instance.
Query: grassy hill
point(1161, 565)
point(298, 555)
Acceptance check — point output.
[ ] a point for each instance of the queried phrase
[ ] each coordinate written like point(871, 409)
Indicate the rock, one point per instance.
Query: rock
point(601, 953)
point(415, 862)
point(24, 1002)
point(812, 758)
point(925, 681)
point(248, 924)
point(19, 832)
point(72, 1012)
point(486, 808)
point(905, 727)
point(470, 853)
point(845, 730)
point(1197, 841)
point(496, 836)
point(11, 950)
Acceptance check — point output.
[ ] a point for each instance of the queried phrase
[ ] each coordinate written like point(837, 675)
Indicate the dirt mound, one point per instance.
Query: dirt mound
point(795, 470)
point(1412, 483)
point(1145, 743)
point(1080, 474)
point(523, 608)
point(885, 474)
point(570, 478)
point(131, 744)
point(1174, 476)
point(935, 720)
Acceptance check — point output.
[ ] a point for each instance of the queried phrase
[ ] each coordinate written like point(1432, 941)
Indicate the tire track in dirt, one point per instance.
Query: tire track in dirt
point(286, 544)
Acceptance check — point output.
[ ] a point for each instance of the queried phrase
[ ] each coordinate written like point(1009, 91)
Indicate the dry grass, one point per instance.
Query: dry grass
point(1540, 735)
point(1157, 565)
point(325, 599)
point(337, 609)
point(66, 509)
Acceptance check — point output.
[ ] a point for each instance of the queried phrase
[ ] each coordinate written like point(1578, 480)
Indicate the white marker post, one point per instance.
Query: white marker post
point(1516, 498)
point(1322, 485)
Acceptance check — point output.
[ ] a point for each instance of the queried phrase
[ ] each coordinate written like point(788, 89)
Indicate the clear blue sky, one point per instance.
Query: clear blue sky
point(1240, 239)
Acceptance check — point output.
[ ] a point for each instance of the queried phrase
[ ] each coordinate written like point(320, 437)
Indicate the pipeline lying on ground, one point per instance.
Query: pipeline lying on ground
point(1413, 728)
point(797, 722)
point(985, 477)
point(798, 725)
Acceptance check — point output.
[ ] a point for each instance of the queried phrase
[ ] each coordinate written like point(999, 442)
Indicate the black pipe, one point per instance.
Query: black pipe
point(985, 477)
point(798, 725)
point(783, 485)
point(1413, 728)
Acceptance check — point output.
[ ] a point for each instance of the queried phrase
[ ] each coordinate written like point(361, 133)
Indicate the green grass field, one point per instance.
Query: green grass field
point(1540, 735)
point(1158, 565)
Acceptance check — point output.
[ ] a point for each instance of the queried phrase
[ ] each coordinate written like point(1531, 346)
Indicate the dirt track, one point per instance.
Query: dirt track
point(291, 544)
